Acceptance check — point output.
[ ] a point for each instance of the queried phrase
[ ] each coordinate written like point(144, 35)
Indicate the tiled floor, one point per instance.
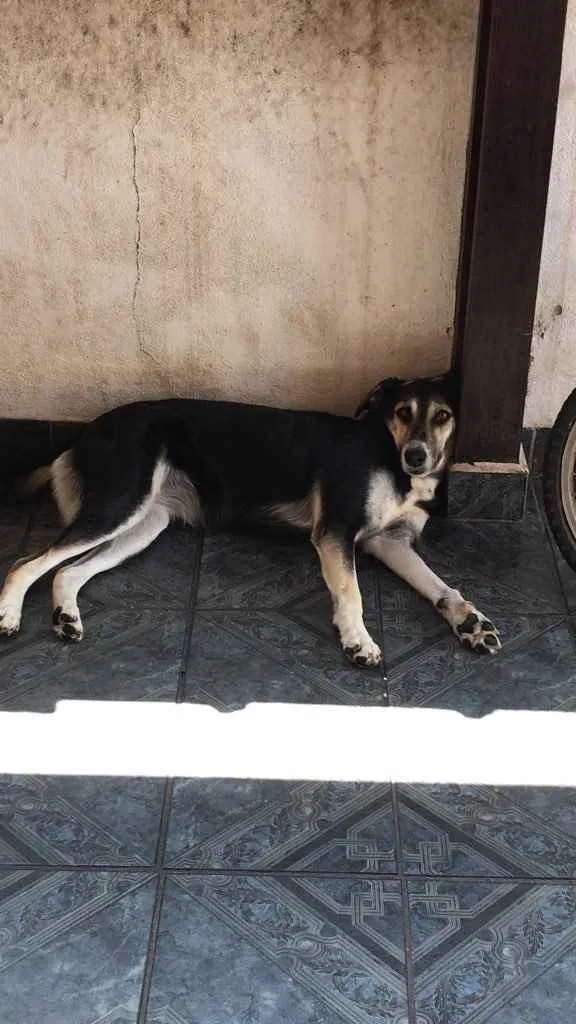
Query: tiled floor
point(142, 901)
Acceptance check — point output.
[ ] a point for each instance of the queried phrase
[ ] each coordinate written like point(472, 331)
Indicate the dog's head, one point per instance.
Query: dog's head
point(420, 415)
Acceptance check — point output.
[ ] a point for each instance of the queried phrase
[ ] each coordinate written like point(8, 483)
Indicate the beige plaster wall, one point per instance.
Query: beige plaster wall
point(254, 199)
point(553, 369)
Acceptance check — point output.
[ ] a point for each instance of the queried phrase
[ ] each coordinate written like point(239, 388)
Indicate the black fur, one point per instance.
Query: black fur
point(344, 480)
point(242, 459)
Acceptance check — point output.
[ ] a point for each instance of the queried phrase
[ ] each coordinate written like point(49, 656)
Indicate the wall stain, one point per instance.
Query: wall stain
point(89, 48)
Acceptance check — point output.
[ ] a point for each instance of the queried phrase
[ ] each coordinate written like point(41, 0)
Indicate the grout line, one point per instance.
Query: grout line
point(191, 615)
point(151, 950)
point(160, 852)
point(405, 904)
point(247, 610)
point(542, 880)
point(384, 666)
point(385, 876)
point(130, 869)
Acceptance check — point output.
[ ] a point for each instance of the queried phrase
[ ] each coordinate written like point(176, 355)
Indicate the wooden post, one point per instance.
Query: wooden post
point(519, 58)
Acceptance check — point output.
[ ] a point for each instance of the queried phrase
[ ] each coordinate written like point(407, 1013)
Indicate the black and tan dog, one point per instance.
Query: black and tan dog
point(370, 480)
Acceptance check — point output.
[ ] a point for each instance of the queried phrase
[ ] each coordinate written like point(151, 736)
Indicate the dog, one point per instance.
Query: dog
point(370, 480)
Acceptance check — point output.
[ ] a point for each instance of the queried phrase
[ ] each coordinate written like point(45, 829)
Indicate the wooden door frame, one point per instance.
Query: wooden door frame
point(519, 56)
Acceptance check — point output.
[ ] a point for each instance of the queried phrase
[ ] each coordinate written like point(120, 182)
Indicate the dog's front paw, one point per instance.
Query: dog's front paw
point(9, 620)
point(67, 626)
point(472, 628)
point(479, 633)
point(364, 655)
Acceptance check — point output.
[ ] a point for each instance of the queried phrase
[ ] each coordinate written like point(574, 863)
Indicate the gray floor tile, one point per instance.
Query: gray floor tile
point(281, 826)
point(535, 670)
point(276, 909)
point(499, 566)
point(63, 820)
point(73, 945)
point(126, 654)
point(259, 571)
point(239, 657)
point(484, 830)
point(493, 953)
point(293, 951)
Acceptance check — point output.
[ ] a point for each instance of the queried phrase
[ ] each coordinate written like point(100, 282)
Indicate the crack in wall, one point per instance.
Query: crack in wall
point(138, 232)
point(137, 251)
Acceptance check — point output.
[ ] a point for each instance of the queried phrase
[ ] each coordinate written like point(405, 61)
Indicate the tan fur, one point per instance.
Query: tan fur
point(437, 435)
point(38, 479)
point(341, 580)
point(179, 497)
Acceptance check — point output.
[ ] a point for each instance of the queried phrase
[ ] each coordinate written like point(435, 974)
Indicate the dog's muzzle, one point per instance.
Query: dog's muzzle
point(416, 459)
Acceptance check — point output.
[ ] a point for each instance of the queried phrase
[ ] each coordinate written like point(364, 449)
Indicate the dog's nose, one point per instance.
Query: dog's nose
point(415, 456)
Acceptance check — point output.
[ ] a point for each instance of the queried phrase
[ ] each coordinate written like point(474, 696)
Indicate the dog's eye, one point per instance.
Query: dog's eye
point(441, 417)
point(404, 413)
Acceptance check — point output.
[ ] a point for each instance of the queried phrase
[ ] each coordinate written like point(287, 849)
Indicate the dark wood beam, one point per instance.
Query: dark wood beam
point(513, 117)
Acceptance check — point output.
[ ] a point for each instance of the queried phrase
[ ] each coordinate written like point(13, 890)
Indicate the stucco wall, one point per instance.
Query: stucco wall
point(252, 199)
point(553, 369)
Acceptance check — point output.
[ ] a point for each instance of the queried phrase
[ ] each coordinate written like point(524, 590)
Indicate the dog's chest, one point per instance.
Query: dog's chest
point(385, 504)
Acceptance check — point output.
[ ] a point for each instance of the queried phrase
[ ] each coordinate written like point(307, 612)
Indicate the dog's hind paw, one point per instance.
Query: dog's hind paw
point(67, 627)
point(366, 655)
point(9, 620)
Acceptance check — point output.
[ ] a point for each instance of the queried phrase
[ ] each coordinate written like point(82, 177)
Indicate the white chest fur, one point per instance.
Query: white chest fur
point(384, 505)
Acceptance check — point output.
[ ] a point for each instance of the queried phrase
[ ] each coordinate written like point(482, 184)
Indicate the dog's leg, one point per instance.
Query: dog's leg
point(472, 628)
point(339, 572)
point(69, 580)
point(78, 538)
point(24, 573)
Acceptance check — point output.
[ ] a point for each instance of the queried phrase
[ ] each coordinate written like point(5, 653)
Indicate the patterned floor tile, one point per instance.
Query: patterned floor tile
point(258, 571)
point(536, 669)
point(509, 565)
point(71, 820)
point(281, 826)
point(303, 951)
point(125, 655)
point(72, 945)
point(239, 657)
point(493, 953)
point(482, 830)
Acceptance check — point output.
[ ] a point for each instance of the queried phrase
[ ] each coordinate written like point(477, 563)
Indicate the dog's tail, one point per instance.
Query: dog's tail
point(35, 481)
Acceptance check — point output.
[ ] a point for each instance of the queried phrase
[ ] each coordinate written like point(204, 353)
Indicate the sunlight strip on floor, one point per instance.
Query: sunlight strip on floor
point(291, 741)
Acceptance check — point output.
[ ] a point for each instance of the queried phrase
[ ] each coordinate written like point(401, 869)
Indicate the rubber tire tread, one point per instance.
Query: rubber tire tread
point(551, 479)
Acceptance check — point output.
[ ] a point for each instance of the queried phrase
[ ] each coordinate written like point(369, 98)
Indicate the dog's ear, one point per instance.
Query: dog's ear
point(449, 385)
point(382, 390)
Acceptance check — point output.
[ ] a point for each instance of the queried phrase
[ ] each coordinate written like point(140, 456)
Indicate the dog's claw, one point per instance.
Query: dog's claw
point(67, 627)
point(479, 634)
point(474, 630)
point(364, 655)
point(9, 622)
